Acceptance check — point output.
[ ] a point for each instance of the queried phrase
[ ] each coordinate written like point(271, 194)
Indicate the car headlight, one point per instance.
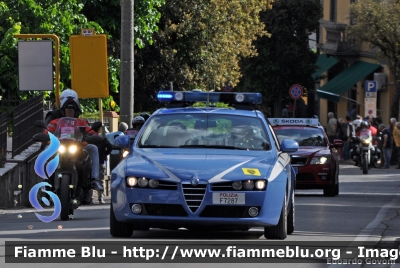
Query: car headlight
point(237, 185)
point(260, 184)
point(61, 149)
point(320, 160)
point(131, 181)
point(248, 185)
point(143, 182)
point(154, 183)
point(72, 149)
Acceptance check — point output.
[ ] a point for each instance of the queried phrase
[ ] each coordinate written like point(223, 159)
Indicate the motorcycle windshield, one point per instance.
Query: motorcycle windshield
point(68, 128)
point(365, 134)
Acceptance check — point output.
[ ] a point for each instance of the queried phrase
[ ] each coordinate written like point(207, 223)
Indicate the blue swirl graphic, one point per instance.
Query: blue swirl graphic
point(35, 203)
point(45, 155)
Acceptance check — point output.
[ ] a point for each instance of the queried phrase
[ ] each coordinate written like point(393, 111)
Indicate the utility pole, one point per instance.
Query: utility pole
point(126, 94)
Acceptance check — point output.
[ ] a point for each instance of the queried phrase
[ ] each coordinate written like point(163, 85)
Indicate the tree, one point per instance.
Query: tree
point(198, 45)
point(382, 21)
point(284, 57)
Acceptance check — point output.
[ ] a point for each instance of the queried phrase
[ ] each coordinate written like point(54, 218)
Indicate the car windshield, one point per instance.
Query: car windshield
point(304, 136)
point(205, 131)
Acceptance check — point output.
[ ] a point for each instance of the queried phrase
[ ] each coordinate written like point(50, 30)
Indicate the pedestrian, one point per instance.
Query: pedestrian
point(349, 134)
point(331, 127)
point(393, 158)
point(386, 145)
point(352, 112)
point(357, 123)
point(396, 138)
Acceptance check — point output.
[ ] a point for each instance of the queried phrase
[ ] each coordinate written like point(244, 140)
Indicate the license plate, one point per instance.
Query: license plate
point(229, 198)
point(296, 170)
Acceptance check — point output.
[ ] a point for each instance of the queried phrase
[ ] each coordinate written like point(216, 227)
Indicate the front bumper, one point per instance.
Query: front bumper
point(171, 209)
point(314, 176)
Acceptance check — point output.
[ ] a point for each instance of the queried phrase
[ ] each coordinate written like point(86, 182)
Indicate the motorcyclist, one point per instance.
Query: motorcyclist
point(138, 122)
point(70, 107)
point(363, 133)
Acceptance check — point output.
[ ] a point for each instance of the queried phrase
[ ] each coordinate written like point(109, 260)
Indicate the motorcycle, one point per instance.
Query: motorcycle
point(71, 178)
point(364, 153)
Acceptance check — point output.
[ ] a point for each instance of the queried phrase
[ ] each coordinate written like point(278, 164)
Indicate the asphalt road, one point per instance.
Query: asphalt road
point(367, 209)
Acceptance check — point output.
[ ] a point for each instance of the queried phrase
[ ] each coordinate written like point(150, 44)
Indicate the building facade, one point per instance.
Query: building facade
point(344, 67)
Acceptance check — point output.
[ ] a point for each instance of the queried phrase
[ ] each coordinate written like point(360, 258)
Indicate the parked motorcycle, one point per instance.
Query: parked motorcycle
point(364, 153)
point(72, 176)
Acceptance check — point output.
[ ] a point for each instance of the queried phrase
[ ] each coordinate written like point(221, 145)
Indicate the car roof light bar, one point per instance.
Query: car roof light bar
point(294, 121)
point(199, 96)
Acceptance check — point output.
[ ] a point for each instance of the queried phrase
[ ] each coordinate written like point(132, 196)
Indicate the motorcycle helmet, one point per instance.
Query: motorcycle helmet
point(364, 124)
point(145, 116)
point(138, 122)
point(69, 98)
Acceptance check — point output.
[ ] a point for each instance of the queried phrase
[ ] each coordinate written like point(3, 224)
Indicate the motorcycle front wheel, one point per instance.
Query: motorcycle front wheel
point(365, 164)
point(65, 197)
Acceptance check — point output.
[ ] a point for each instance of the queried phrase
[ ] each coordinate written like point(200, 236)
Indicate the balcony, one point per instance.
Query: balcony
point(336, 42)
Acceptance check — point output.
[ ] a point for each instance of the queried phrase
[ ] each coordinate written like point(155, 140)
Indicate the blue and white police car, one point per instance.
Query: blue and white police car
point(204, 167)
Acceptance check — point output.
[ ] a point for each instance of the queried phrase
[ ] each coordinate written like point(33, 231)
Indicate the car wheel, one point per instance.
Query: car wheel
point(280, 230)
point(291, 217)
point(119, 229)
point(330, 190)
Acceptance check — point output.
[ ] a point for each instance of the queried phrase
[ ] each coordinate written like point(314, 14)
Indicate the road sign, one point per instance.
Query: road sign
point(89, 64)
point(370, 94)
point(296, 91)
point(370, 106)
point(370, 86)
point(35, 65)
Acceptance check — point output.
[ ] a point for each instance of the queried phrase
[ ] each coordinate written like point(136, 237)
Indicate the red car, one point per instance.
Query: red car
point(316, 162)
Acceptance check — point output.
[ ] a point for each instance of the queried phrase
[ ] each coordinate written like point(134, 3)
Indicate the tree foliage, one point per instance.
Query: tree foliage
point(382, 19)
point(66, 18)
point(199, 45)
point(284, 58)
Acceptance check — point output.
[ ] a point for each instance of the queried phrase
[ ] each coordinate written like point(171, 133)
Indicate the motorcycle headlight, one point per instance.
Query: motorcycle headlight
point(320, 160)
point(367, 141)
point(62, 149)
point(125, 153)
point(72, 149)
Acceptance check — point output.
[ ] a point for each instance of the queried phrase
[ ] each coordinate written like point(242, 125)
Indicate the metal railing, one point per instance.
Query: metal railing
point(3, 133)
point(24, 117)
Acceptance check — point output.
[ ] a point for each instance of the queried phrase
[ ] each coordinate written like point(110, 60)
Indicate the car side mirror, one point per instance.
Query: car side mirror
point(289, 146)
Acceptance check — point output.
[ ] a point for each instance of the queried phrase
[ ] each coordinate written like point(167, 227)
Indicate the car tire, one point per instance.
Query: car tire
point(119, 229)
point(330, 190)
point(278, 231)
point(291, 217)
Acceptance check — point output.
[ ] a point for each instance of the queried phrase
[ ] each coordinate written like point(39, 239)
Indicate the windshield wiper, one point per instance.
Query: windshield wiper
point(213, 146)
point(157, 146)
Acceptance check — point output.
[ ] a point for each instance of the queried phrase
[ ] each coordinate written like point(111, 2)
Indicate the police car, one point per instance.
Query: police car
point(316, 162)
point(204, 168)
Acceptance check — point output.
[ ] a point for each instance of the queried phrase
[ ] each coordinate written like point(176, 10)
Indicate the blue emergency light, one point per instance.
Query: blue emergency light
point(198, 96)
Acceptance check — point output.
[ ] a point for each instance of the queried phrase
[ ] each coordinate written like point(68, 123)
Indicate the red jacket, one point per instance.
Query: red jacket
point(52, 126)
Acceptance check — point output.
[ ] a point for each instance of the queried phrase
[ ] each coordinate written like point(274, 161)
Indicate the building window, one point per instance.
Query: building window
point(333, 10)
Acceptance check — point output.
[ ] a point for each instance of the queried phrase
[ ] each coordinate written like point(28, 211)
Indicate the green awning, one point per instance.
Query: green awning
point(323, 63)
point(345, 80)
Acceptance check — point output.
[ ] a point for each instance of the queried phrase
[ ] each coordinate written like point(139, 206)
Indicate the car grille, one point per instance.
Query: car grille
point(164, 210)
point(226, 212)
point(194, 195)
point(305, 177)
point(299, 161)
